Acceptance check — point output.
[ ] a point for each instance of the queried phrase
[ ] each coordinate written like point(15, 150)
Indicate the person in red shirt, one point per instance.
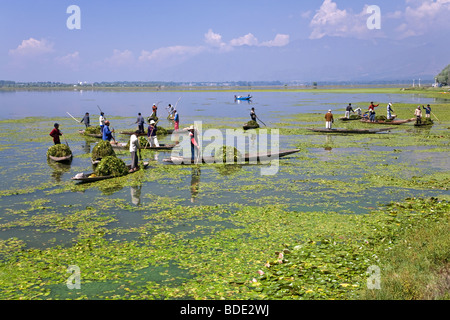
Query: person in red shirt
point(55, 133)
point(372, 111)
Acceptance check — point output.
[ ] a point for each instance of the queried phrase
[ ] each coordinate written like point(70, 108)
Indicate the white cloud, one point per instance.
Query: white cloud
point(120, 58)
point(247, 40)
point(171, 55)
point(70, 60)
point(280, 40)
point(421, 17)
point(32, 48)
point(331, 21)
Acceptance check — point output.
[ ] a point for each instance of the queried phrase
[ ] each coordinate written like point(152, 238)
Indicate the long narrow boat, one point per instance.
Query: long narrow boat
point(393, 122)
point(98, 136)
point(91, 177)
point(123, 146)
point(361, 131)
point(62, 159)
point(247, 126)
point(266, 156)
point(350, 119)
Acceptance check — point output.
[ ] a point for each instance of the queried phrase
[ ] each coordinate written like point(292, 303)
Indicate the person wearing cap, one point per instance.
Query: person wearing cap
point(389, 111)
point(101, 121)
point(348, 110)
point(418, 114)
point(134, 147)
point(86, 120)
point(192, 137)
point(428, 111)
point(55, 133)
point(140, 121)
point(107, 133)
point(329, 120)
point(151, 134)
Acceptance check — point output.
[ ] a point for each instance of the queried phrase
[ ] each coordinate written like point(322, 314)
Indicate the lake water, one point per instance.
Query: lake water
point(191, 106)
point(26, 145)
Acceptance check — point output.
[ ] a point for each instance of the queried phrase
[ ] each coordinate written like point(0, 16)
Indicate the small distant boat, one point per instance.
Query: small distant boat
point(62, 159)
point(362, 131)
point(91, 177)
point(265, 156)
point(142, 134)
point(242, 98)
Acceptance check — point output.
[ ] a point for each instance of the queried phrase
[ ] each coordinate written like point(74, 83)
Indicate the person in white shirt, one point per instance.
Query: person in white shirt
point(101, 121)
point(389, 111)
point(134, 147)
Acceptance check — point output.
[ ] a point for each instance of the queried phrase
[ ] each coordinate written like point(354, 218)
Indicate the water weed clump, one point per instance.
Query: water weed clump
point(111, 165)
point(102, 149)
point(59, 150)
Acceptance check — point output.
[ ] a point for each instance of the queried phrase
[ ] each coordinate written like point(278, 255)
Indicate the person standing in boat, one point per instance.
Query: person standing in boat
point(56, 133)
point(140, 122)
point(358, 111)
point(329, 119)
point(194, 144)
point(427, 111)
point(418, 114)
point(176, 120)
point(372, 111)
point(86, 120)
point(151, 134)
point(101, 121)
point(389, 111)
point(348, 110)
point(253, 114)
point(134, 147)
point(107, 133)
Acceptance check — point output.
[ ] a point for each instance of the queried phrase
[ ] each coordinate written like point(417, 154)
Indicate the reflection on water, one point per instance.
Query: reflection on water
point(58, 169)
point(195, 181)
point(136, 195)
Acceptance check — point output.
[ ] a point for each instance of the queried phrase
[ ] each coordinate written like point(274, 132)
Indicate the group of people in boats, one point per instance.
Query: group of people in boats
point(370, 114)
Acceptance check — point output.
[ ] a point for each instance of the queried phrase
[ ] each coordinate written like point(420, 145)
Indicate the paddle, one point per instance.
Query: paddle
point(434, 115)
point(74, 118)
point(260, 121)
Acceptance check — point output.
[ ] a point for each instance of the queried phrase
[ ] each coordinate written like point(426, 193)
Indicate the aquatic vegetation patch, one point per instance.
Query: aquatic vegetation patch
point(111, 165)
point(59, 150)
point(102, 149)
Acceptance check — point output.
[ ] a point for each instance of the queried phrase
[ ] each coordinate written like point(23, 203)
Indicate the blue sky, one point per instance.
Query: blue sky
point(218, 40)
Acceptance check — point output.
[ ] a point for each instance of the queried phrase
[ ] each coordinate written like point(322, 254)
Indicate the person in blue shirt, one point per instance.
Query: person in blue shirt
point(427, 111)
point(176, 120)
point(107, 133)
point(140, 121)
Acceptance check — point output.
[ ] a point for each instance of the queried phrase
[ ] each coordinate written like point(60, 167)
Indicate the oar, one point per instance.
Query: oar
point(99, 109)
point(434, 115)
point(74, 118)
point(260, 120)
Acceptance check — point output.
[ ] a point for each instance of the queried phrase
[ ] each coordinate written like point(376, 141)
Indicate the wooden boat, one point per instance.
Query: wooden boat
point(361, 131)
point(248, 127)
point(98, 136)
point(62, 159)
point(123, 146)
point(393, 122)
point(90, 177)
point(267, 156)
point(241, 98)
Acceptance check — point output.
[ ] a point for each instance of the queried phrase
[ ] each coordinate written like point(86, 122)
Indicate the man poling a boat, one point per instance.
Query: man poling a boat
point(134, 146)
point(140, 122)
point(86, 120)
point(389, 111)
point(348, 110)
point(101, 121)
point(194, 144)
point(151, 134)
point(56, 133)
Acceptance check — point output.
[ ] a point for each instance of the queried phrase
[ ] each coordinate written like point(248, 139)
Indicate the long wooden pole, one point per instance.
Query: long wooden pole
point(74, 118)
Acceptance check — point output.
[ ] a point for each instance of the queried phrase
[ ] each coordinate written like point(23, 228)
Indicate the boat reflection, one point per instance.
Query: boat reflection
point(195, 181)
point(136, 195)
